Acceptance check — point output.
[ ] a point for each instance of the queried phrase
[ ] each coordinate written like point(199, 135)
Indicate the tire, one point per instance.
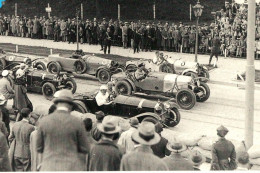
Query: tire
point(166, 68)
point(48, 90)
point(71, 85)
point(186, 99)
point(80, 66)
point(2, 64)
point(191, 74)
point(103, 76)
point(205, 73)
point(40, 66)
point(174, 119)
point(80, 107)
point(54, 67)
point(205, 88)
point(123, 88)
point(131, 68)
point(150, 119)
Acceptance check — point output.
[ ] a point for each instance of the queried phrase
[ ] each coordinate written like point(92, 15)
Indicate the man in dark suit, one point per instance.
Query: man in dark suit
point(159, 149)
point(21, 132)
point(106, 155)
point(4, 160)
point(61, 138)
point(223, 152)
point(215, 48)
point(175, 161)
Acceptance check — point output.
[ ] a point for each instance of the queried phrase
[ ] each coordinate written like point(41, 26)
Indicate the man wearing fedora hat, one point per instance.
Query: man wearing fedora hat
point(105, 155)
point(142, 158)
point(223, 152)
point(125, 139)
point(197, 159)
point(176, 161)
point(62, 138)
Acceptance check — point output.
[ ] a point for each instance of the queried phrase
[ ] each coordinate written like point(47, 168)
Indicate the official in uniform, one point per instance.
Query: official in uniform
point(223, 152)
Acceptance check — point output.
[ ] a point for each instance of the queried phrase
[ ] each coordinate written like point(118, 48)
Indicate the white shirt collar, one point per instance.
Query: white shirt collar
point(25, 120)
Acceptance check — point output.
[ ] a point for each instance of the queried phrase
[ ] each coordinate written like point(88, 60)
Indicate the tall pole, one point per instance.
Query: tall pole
point(118, 11)
point(15, 9)
point(250, 75)
point(82, 15)
point(196, 45)
point(77, 20)
point(49, 13)
point(190, 11)
point(154, 10)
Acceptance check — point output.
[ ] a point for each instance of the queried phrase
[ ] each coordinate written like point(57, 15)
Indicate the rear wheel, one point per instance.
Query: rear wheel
point(48, 90)
point(186, 99)
point(123, 88)
point(2, 64)
point(54, 67)
point(174, 119)
point(80, 107)
point(80, 66)
point(71, 85)
point(103, 76)
point(202, 92)
point(40, 66)
point(131, 68)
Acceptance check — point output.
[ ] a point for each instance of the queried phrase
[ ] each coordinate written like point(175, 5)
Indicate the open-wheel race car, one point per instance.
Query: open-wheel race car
point(184, 89)
point(39, 81)
point(80, 63)
point(131, 106)
point(169, 65)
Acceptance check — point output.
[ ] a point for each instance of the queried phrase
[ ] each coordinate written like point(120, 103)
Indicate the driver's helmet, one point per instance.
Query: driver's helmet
point(27, 61)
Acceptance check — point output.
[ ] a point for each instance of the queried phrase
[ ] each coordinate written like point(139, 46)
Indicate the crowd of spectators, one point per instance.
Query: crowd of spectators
point(230, 24)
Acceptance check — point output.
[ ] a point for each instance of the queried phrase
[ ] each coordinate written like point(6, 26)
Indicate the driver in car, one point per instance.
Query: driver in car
point(102, 97)
point(158, 59)
point(141, 72)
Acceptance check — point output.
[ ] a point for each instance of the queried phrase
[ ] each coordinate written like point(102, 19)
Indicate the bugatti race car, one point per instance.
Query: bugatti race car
point(80, 63)
point(169, 65)
point(130, 106)
point(38, 81)
point(185, 89)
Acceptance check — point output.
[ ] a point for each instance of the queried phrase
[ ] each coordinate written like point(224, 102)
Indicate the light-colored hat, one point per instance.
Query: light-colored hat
point(64, 95)
point(176, 146)
point(2, 100)
point(146, 134)
point(22, 65)
point(103, 87)
point(134, 122)
point(5, 73)
point(108, 126)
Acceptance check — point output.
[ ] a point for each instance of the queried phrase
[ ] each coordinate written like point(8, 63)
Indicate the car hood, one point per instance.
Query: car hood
point(181, 63)
point(118, 75)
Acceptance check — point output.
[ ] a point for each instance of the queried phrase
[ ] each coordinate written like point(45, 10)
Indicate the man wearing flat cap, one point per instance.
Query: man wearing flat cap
point(142, 158)
point(223, 152)
point(105, 155)
point(62, 138)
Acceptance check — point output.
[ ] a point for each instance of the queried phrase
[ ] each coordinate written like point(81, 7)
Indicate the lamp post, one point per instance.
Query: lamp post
point(77, 15)
point(197, 12)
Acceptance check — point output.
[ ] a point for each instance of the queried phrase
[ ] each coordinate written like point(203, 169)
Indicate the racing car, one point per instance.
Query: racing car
point(185, 89)
point(130, 106)
point(39, 81)
point(81, 63)
point(169, 65)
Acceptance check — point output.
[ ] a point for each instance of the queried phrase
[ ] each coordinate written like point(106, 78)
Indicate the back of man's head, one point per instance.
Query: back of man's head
point(88, 124)
point(25, 112)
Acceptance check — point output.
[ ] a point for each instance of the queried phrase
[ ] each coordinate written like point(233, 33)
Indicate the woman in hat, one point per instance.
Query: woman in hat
point(142, 158)
point(223, 152)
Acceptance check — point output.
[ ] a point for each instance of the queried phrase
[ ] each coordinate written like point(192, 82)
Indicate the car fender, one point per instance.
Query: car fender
point(131, 83)
point(173, 105)
point(102, 67)
point(147, 114)
point(189, 70)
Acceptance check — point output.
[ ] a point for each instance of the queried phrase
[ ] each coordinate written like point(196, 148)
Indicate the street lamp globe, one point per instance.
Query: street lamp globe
point(198, 9)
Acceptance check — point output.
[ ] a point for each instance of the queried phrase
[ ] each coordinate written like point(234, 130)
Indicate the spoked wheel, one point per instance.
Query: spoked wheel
point(202, 92)
point(48, 90)
point(54, 67)
point(174, 119)
point(71, 85)
point(186, 99)
point(123, 88)
point(103, 76)
point(40, 66)
point(80, 66)
point(166, 68)
point(131, 68)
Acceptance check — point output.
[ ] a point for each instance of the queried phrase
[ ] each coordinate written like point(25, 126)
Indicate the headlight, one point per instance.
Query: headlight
point(167, 105)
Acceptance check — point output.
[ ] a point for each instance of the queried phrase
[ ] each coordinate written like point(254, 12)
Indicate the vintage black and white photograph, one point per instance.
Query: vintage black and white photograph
point(129, 85)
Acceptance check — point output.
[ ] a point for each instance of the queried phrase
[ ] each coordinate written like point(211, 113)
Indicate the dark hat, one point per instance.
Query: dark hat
point(158, 128)
point(64, 95)
point(197, 158)
point(146, 134)
point(134, 122)
point(222, 131)
point(141, 65)
point(176, 146)
point(100, 115)
point(25, 112)
point(243, 157)
point(108, 126)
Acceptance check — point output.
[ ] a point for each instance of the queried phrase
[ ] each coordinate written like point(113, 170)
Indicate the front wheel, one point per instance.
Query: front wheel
point(186, 99)
point(54, 67)
point(123, 88)
point(205, 73)
point(103, 76)
point(71, 85)
point(202, 92)
point(131, 68)
point(40, 66)
point(48, 90)
point(174, 119)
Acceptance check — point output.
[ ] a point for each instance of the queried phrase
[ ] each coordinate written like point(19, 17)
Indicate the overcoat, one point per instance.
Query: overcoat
point(176, 162)
point(4, 160)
